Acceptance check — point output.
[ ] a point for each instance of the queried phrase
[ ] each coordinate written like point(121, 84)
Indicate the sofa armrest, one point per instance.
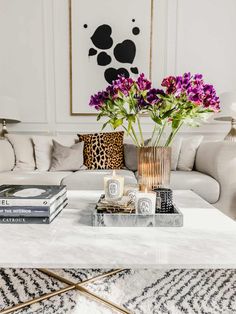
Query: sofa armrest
point(218, 159)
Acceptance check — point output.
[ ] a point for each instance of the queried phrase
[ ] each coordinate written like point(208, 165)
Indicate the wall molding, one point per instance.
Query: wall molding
point(55, 65)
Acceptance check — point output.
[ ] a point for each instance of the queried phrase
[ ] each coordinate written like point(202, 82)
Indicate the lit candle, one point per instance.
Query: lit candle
point(145, 203)
point(113, 186)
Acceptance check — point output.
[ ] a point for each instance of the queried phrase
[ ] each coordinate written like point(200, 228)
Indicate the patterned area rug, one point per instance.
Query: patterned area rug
point(140, 291)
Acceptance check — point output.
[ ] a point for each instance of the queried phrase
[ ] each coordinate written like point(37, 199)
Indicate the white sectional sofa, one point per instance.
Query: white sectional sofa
point(213, 177)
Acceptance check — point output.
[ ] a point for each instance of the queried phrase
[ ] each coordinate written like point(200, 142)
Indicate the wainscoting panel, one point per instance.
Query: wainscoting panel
point(34, 58)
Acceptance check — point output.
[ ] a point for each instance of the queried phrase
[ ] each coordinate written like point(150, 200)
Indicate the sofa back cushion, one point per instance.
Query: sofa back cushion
point(43, 147)
point(103, 150)
point(67, 158)
point(188, 152)
point(24, 153)
point(7, 157)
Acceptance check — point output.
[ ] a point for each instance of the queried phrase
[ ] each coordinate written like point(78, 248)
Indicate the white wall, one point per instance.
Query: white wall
point(189, 35)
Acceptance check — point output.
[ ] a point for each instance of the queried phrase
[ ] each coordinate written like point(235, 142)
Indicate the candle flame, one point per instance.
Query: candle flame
point(113, 173)
point(145, 190)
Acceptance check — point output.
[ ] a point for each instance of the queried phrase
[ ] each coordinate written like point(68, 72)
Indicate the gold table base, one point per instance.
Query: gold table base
point(71, 286)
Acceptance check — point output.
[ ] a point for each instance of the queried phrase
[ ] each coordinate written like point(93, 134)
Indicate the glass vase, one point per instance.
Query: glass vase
point(154, 166)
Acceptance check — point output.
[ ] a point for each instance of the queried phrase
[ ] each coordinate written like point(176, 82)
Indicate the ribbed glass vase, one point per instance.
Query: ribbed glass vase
point(154, 165)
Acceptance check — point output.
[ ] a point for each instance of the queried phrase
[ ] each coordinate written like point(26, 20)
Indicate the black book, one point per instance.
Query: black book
point(30, 195)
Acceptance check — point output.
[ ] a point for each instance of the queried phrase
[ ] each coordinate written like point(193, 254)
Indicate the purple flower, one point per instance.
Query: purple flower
point(142, 103)
point(143, 83)
point(97, 100)
point(192, 88)
point(198, 77)
point(123, 85)
point(153, 96)
point(170, 83)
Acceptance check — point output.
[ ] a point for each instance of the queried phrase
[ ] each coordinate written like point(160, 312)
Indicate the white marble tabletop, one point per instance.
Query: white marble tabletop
point(207, 240)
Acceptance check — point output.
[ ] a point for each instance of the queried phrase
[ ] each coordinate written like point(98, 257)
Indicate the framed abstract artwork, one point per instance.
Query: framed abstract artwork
point(107, 38)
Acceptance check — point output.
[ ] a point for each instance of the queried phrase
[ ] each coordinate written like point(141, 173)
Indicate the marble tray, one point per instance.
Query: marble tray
point(174, 219)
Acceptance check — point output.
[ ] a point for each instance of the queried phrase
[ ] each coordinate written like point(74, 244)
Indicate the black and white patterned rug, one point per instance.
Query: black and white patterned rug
point(173, 291)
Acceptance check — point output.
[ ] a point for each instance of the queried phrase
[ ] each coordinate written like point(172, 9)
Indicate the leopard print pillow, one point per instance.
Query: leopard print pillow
point(103, 150)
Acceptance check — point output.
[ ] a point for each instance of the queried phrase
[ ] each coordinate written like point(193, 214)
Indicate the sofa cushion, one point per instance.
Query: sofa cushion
point(7, 156)
point(34, 177)
point(24, 153)
point(202, 184)
point(93, 179)
point(103, 150)
point(66, 158)
point(188, 153)
point(43, 148)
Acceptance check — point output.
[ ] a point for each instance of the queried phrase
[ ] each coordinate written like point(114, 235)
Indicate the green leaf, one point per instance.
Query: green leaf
point(131, 118)
point(175, 124)
point(157, 120)
point(116, 123)
point(105, 124)
point(168, 113)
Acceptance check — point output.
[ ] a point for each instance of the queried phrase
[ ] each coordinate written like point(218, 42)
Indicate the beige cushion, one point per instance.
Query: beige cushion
point(7, 157)
point(43, 149)
point(24, 153)
point(34, 177)
point(202, 184)
point(66, 158)
point(188, 153)
point(94, 179)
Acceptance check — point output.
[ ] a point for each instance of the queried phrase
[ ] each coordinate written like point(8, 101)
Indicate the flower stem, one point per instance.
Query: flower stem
point(135, 136)
point(140, 131)
point(160, 134)
point(153, 134)
point(132, 138)
point(172, 135)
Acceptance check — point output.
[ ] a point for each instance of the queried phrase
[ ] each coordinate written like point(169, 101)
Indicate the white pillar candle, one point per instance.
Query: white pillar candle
point(145, 203)
point(113, 186)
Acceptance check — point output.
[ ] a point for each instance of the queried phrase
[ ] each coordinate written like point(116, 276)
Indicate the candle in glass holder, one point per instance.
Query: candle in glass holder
point(130, 191)
point(113, 186)
point(145, 203)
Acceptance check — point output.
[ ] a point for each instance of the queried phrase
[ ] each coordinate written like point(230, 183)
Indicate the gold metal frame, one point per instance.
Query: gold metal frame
point(71, 59)
point(71, 286)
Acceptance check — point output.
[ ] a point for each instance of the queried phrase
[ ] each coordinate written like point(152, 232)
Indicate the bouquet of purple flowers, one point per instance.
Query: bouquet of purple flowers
point(185, 99)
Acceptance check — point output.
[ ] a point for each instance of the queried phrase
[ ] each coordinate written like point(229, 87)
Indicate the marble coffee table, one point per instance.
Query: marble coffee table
point(207, 240)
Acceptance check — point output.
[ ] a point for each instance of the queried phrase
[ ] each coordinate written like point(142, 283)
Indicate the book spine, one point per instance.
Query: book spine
point(30, 211)
point(24, 220)
point(6, 202)
point(32, 220)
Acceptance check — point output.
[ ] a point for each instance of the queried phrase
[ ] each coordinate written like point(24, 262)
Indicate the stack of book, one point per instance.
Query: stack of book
point(36, 204)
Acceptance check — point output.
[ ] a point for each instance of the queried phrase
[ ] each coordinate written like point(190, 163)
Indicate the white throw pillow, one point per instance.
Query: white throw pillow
point(24, 152)
point(175, 151)
point(43, 146)
point(188, 153)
